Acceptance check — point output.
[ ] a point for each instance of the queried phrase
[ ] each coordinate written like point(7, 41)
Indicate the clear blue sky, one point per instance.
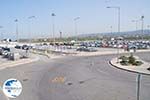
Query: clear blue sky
point(94, 16)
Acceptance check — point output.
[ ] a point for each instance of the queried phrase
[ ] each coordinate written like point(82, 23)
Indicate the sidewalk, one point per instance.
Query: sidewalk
point(101, 51)
point(106, 51)
point(135, 69)
point(9, 63)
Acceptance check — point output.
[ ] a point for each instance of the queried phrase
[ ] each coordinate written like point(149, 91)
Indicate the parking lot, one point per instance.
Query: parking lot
point(15, 51)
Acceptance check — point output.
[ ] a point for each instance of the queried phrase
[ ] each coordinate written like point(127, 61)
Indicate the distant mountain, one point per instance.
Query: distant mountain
point(114, 34)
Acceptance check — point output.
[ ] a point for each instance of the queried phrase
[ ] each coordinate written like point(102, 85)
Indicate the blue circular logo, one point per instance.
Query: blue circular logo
point(12, 88)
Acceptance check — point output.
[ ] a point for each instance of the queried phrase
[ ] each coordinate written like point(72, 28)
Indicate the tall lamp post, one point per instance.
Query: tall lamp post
point(76, 28)
point(148, 26)
point(117, 8)
point(30, 18)
point(111, 29)
point(16, 21)
point(142, 26)
point(1, 33)
point(53, 26)
point(136, 24)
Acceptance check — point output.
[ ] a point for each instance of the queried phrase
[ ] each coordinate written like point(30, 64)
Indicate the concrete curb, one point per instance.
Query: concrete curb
point(40, 53)
point(125, 69)
point(16, 63)
point(105, 53)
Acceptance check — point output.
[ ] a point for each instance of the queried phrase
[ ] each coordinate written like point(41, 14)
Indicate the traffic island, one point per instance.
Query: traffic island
point(131, 64)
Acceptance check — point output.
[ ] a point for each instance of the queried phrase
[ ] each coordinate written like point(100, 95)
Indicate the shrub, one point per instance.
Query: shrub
point(129, 60)
point(124, 62)
point(132, 59)
point(138, 63)
point(124, 58)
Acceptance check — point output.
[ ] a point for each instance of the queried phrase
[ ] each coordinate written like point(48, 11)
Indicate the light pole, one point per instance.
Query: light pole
point(118, 8)
point(16, 21)
point(142, 25)
point(1, 33)
point(30, 18)
point(111, 29)
point(136, 24)
point(60, 34)
point(53, 27)
point(76, 28)
point(148, 26)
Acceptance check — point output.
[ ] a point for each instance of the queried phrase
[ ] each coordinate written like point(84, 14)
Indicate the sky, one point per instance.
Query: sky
point(94, 16)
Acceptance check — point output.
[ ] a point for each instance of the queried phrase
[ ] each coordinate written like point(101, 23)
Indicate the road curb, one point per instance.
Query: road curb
point(16, 63)
point(40, 53)
point(127, 70)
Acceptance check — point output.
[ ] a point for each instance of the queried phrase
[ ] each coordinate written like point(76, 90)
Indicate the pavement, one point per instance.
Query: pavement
point(136, 69)
point(89, 77)
point(107, 51)
point(76, 78)
point(5, 63)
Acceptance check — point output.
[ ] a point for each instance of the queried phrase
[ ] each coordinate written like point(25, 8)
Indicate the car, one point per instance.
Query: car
point(26, 47)
point(18, 47)
point(6, 54)
point(132, 47)
point(14, 56)
point(6, 49)
point(85, 49)
point(1, 51)
point(45, 44)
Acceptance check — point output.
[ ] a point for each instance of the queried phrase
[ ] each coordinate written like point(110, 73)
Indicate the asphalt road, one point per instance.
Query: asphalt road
point(76, 78)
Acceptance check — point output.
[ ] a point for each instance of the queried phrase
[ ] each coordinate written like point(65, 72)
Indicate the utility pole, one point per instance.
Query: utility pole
point(30, 37)
point(142, 26)
point(16, 21)
point(60, 34)
point(76, 28)
point(53, 26)
point(118, 8)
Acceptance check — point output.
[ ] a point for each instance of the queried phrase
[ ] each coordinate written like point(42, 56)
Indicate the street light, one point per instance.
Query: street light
point(16, 21)
point(53, 26)
point(30, 18)
point(136, 24)
point(75, 25)
point(111, 29)
point(142, 25)
point(1, 33)
point(118, 8)
point(148, 26)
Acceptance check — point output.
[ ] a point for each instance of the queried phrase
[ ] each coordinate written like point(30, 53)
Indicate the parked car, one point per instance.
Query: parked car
point(132, 47)
point(1, 51)
point(14, 56)
point(26, 47)
point(6, 49)
point(18, 47)
point(6, 54)
point(85, 49)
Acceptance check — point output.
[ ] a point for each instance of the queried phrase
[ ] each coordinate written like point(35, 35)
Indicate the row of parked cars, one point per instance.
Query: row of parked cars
point(115, 44)
point(58, 44)
point(86, 49)
point(12, 54)
point(24, 47)
point(90, 46)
